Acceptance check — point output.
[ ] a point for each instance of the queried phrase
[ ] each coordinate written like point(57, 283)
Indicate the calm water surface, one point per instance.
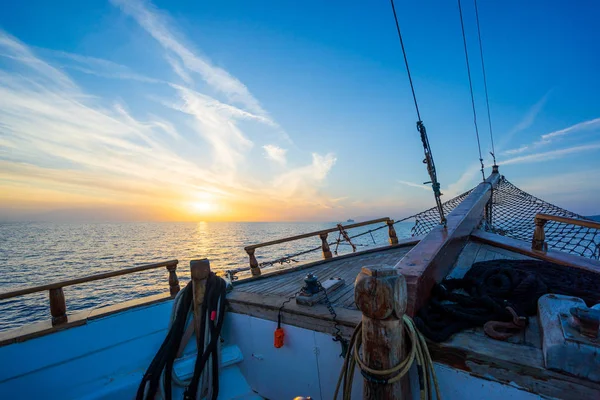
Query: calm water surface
point(37, 253)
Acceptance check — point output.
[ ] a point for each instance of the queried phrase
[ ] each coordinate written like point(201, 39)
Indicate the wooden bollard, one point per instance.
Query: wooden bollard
point(173, 280)
point(254, 267)
point(539, 236)
point(380, 294)
point(200, 269)
point(325, 246)
point(392, 231)
point(58, 306)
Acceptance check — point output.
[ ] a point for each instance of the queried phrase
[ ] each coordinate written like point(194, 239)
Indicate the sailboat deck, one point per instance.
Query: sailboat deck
point(286, 283)
point(518, 360)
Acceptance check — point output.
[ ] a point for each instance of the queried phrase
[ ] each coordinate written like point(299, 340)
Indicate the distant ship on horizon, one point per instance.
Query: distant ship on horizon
point(350, 221)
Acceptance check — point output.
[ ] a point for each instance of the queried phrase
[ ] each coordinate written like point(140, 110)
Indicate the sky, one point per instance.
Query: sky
point(288, 111)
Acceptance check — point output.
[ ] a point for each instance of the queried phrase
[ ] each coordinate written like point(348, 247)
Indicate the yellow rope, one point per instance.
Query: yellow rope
point(418, 352)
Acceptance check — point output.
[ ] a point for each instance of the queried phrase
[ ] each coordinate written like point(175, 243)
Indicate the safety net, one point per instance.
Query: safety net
point(513, 215)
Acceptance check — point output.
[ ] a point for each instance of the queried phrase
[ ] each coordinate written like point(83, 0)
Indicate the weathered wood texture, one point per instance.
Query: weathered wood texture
point(380, 295)
point(430, 260)
point(286, 283)
point(199, 269)
point(514, 364)
point(58, 306)
point(518, 246)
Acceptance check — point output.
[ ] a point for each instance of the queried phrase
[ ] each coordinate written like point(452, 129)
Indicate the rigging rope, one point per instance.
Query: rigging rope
point(435, 185)
point(462, 25)
point(487, 101)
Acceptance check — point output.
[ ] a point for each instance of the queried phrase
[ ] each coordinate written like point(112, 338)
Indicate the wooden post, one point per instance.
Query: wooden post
point(254, 267)
point(58, 306)
point(200, 269)
point(173, 280)
point(325, 246)
point(380, 294)
point(392, 231)
point(539, 236)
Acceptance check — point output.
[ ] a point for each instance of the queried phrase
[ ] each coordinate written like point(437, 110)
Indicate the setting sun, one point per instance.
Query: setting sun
point(203, 207)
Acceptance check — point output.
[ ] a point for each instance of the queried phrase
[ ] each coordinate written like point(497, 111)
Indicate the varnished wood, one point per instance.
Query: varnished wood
point(173, 280)
point(58, 306)
point(84, 279)
point(570, 221)
point(325, 246)
point(199, 269)
point(392, 232)
point(316, 233)
point(380, 294)
point(254, 267)
point(518, 246)
point(539, 236)
point(431, 260)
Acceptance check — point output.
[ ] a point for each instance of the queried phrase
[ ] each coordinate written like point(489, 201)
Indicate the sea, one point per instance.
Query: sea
point(37, 253)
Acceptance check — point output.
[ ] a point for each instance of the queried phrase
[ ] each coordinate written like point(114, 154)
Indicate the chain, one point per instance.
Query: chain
point(337, 335)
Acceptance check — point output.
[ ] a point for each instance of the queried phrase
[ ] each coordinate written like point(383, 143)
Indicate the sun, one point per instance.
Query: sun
point(203, 207)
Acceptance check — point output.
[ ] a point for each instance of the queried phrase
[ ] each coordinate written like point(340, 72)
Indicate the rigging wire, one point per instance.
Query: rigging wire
point(462, 25)
point(435, 185)
point(487, 101)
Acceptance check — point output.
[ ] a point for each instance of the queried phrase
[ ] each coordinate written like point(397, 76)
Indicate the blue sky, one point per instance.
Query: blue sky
point(289, 111)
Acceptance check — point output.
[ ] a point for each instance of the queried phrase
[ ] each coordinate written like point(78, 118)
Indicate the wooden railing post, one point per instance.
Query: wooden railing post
point(325, 246)
point(392, 231)
point(58, 306)
point(199, 269)
point(539, 236)
point(254, 267)
point(173, 280)
point(381, 295)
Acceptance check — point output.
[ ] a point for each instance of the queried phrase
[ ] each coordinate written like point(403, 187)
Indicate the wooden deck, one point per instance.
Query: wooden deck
point(287, 284)
point(518, 360)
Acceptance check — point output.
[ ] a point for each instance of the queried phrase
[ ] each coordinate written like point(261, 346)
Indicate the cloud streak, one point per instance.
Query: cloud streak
point(62, 145)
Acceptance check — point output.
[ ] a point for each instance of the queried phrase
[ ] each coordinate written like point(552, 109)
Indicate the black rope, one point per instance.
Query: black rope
point(412, 88)
point(489, 287)
point(435, 185)
point(487, 101)
point(462, 25)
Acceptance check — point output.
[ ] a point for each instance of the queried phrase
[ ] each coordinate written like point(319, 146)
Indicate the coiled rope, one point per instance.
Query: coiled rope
point(418, 352)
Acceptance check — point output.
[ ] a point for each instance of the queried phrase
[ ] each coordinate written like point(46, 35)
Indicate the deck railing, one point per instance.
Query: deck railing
point(539, 235)
point(322, 234)
point(58, 306)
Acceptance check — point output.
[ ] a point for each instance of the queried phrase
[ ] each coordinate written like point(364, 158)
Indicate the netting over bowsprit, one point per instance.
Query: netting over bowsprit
point(513, 215)
point(429, 219)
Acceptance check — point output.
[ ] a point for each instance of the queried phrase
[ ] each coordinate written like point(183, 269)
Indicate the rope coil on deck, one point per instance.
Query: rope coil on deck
point(418, 352)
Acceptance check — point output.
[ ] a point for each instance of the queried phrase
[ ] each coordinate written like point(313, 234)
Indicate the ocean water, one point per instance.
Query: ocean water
point(37, 253)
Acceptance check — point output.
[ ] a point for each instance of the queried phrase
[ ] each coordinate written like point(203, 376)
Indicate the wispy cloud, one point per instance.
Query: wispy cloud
point(158, 26)
point(525, 123)
point(551, 137)
point(275, 153)
point(60, 144)
point(416, 185)
point(551, 155)
point(582, 126)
